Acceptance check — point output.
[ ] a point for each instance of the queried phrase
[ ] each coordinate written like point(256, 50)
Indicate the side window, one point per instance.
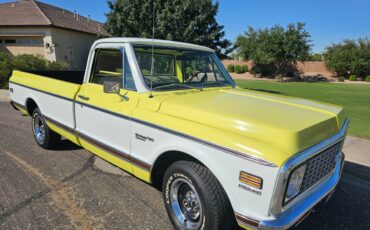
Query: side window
point(129, 79)
point(107, 66)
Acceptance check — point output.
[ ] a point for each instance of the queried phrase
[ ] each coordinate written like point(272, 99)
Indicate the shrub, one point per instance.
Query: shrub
point(240, 68)
point(353, 78)
point(36, 62)
point(237, 69)
point(245, 68)
point(341, 79)
point(54, 65)
point(368, 78)
point(253, 70)
point(30, 62)
point(230, 68)
point(5, 69)
point(5, 65)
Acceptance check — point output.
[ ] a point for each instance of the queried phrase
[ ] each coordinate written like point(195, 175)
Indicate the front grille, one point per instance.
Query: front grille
point(320, 166)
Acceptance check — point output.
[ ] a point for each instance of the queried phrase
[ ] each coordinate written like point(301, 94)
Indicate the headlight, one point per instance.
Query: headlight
point(294, 183)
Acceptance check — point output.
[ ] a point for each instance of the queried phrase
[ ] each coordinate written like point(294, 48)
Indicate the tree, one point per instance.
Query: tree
point(189, 21)
point(316, 57)
point(349, 57)
point(275, 47)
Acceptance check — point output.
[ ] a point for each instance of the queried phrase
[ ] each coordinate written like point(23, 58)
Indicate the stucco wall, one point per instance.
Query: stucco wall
point(307, 68)
point(22, 32)
point(72, 47)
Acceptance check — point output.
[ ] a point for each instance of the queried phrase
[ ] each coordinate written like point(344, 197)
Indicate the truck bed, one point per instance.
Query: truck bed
point(68, 76)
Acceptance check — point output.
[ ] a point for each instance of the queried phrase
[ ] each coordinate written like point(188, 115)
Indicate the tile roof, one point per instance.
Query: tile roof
point(35, 13)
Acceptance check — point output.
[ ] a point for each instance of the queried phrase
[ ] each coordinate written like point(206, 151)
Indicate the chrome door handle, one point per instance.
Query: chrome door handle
point(83, 97)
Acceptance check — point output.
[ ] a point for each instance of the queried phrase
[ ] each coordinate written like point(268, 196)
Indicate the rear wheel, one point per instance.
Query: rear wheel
point(44, 136)
point(194, 198)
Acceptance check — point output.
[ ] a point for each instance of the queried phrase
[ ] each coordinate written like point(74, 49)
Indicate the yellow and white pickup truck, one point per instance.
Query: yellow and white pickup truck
point(169, 113)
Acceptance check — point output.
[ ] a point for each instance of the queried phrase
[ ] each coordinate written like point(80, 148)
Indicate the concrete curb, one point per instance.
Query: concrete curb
point(4, 95)
point(107, 167)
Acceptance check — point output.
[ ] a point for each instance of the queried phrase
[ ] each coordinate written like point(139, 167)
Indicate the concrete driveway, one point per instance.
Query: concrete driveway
point(63, 189)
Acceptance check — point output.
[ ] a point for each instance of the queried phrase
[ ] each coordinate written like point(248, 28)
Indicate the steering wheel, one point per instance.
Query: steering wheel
point(195, 75)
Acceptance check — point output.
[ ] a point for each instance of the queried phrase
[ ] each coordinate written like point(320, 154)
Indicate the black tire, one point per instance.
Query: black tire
point(216, 211)
point(51, 139)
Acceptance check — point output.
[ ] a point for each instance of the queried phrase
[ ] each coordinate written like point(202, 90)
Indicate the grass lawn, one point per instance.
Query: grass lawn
point(354, 98)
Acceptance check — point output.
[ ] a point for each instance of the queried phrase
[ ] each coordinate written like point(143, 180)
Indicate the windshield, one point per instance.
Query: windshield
point(167, 68)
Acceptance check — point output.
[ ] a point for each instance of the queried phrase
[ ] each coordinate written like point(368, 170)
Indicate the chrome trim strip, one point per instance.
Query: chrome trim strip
point(224, 149)
point(290, 164)
point(289, 218)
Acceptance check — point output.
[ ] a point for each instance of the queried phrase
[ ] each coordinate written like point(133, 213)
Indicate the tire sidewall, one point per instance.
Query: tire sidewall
point(191, 178)
point(47, 132)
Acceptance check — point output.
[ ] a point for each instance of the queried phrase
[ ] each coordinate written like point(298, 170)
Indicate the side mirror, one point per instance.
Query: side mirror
point(112, 85)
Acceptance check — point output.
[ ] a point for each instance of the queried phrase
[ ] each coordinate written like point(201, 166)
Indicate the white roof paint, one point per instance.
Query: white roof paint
point(157, 42)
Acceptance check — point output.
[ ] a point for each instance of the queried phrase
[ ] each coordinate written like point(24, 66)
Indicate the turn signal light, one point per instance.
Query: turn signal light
point(251, 180)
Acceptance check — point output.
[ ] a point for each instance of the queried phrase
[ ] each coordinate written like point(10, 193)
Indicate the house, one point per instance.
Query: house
point(34, 27)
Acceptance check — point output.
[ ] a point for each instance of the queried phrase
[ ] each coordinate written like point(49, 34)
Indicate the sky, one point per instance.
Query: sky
point(328, 21)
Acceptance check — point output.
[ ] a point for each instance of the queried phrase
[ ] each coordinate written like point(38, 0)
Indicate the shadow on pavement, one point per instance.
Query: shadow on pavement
point(66, 145)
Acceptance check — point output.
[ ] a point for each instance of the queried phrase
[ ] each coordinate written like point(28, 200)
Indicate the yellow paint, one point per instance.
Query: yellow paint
point(61, 88)
point(113, 103)
point(245, 227)
point(63, 133)
point(24, 111)
point(141, 173)
point(119, 162)
point(109, 73)
point(268, 126)
point(179, 71)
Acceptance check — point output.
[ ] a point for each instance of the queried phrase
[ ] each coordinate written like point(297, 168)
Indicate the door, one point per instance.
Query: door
point(103, 119)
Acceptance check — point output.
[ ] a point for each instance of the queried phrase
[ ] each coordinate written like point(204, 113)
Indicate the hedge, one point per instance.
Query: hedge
point(353, 78)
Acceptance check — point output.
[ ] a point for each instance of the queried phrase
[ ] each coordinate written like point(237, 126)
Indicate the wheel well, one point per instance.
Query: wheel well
point(163, 162)
point(30, 106)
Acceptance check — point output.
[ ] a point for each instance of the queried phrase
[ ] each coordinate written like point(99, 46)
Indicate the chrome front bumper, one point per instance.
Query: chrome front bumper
point(298, 211)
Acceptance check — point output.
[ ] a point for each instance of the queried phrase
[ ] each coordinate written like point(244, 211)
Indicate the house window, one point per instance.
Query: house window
point(24, 41)
point(10, 41)
point(30, 41)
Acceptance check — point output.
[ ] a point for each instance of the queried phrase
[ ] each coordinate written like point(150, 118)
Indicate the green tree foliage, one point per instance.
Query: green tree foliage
point(277, 46)
point(316, 57)
point(349, 57)
point(5, 65)
point(178, 20)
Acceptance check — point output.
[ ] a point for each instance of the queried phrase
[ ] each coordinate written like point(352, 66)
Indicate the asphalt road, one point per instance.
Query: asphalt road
point(61, 189)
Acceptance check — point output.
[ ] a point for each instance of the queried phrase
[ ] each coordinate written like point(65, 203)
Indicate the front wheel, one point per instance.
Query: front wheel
point(194, 199)
point(44, 136)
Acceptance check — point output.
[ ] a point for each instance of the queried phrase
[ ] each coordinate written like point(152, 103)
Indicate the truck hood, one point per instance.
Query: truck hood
point(287, 124)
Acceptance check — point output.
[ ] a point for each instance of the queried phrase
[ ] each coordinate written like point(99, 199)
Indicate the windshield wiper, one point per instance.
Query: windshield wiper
point(175, 84)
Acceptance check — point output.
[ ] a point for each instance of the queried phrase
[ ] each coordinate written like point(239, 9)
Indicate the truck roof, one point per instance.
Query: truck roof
point(158, 42)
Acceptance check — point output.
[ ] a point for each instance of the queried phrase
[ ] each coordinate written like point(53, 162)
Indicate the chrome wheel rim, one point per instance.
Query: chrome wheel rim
point(186, 204)
point(39, 129)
